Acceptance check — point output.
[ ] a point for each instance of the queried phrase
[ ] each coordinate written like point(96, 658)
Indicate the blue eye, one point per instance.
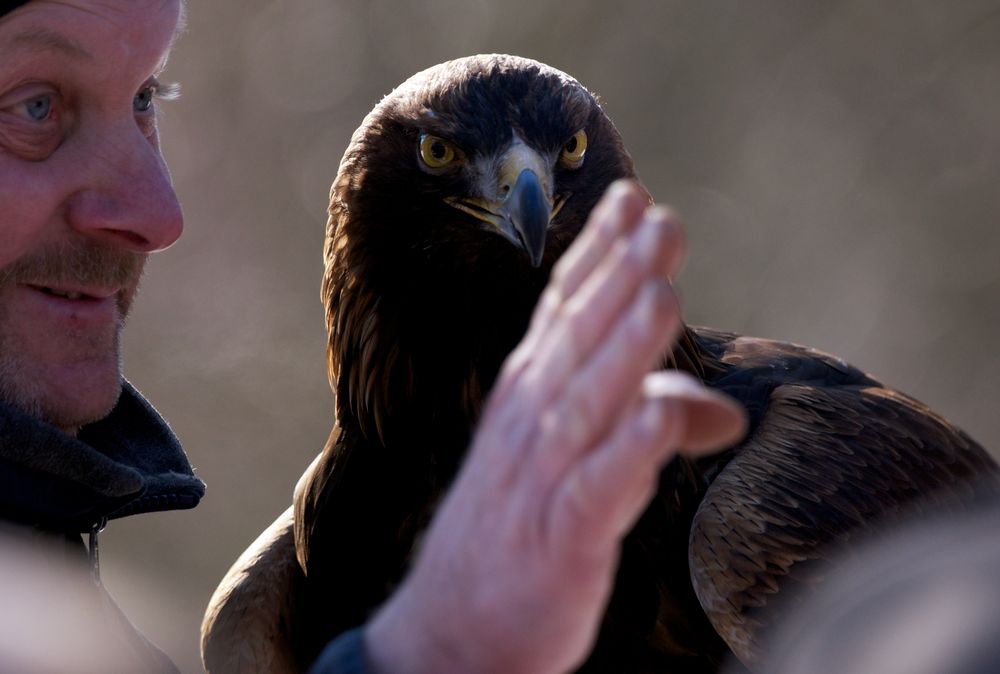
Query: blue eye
point(39, 107)
point(143, 100)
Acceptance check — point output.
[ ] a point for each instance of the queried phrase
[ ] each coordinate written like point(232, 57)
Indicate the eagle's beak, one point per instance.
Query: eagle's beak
point(527, 209)
point(521, 203)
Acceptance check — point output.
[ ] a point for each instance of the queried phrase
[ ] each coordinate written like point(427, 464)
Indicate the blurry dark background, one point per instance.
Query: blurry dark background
point(836, 164)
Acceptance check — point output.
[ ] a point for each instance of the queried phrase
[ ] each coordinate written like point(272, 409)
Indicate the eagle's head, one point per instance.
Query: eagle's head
point(453, 200)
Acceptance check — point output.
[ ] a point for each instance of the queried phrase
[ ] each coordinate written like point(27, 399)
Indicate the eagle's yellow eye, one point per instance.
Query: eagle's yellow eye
point(574, 149)
point(436, 152)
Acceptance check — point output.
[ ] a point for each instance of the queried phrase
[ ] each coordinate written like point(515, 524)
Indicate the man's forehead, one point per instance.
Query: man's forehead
point(8, 6)
point(42, 38)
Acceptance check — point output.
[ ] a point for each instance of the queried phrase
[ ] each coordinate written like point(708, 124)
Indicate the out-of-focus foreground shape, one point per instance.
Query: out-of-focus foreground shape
point(923, 600)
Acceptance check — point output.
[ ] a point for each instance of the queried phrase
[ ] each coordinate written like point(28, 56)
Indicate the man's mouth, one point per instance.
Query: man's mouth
point(59, 293)
point(74, 293)
point(56, 306)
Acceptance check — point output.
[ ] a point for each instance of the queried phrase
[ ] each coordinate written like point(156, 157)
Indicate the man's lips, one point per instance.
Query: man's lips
point(75, 292)
point(71, 306)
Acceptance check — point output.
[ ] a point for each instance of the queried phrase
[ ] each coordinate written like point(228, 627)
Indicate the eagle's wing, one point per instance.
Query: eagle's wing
point(824, 465)
point(246, 625)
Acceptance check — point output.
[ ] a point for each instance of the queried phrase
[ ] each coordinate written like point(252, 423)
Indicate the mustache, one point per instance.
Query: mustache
point(76, 263)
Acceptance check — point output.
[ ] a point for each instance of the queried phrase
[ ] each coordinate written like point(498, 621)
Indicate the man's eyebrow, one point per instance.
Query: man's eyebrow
point(41, 39)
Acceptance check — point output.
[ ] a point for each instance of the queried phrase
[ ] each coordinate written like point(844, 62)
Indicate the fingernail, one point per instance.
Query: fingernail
point(671, 383)
point(619, 189)
point(607, 212)
point(659, 230)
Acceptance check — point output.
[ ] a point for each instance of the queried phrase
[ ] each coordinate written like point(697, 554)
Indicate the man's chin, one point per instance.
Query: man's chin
point(68, 401)
point(71, 415)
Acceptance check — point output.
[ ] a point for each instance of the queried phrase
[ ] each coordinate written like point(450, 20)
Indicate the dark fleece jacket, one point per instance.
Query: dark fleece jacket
point(53, 487)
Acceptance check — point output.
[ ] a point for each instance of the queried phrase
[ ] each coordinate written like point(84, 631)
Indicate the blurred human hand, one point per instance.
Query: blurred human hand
point(516, 569)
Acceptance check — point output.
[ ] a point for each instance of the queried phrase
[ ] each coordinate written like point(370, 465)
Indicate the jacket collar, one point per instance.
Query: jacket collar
point(129, 462)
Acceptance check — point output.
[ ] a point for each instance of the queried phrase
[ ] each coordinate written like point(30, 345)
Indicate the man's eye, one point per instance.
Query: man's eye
point(143, 100)
point(39, 107)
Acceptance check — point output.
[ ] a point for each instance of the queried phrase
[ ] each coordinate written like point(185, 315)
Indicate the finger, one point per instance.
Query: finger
point(559, 338)
point(600, 499)
point(655, 249)
point(713, 419)
point(586, 319)
point(616, 214)
point(602, 386)
point(614, 217)
point(609, 488)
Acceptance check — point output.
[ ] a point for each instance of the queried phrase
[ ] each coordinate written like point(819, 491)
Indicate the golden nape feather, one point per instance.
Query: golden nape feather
point(429, 284)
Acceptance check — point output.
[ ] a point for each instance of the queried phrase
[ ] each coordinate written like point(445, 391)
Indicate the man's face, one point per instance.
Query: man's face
point(84, 195)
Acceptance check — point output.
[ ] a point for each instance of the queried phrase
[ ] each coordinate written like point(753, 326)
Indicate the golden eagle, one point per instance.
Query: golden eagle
point(455, 197)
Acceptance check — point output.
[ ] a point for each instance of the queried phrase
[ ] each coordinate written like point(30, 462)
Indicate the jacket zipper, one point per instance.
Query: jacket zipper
point(93, 550)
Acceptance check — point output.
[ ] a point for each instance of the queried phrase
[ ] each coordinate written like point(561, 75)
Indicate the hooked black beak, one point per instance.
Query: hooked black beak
point(520, 204)
point(529, 211)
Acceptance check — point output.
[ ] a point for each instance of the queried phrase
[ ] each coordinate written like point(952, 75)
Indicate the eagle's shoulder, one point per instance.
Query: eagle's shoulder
point(782, 362)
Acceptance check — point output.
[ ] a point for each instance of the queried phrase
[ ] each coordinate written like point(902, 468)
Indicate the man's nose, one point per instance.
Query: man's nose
point(128, 200)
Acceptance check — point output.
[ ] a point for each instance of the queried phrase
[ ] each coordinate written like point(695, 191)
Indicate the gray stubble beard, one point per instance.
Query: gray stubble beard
point(21, 388)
